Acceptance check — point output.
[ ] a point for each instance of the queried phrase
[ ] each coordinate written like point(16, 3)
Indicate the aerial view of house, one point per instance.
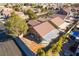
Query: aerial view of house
point(39, 29)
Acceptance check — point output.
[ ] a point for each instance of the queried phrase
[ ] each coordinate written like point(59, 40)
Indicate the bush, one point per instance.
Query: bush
point(48, 53)
point(31, 14)
point(17, 7)
point(41, 52)
point(15, 25)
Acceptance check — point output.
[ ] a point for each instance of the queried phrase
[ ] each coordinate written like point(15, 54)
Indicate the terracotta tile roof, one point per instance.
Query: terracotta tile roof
point(43, 19)
point(67, 9)
point(58, 15)
point(46, 18)
point(44, 28)
point(33, 22)
point(57, 21)
point(76, 8)
point(7, 11)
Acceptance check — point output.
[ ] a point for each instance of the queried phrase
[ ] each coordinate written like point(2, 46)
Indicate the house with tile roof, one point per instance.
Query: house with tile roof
point(7, 11)
point(45, 32)
point(59, 23)
point(33, 23)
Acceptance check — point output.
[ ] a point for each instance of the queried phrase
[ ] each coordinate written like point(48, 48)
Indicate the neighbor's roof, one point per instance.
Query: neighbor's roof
point(43, 19)
point(57, 21)
point(33, 22)
point(7, 10)
point(76, 8)
point(46, 18)
point(67, 9)
point(44, 28)
point(58, 15)
point(9, 48)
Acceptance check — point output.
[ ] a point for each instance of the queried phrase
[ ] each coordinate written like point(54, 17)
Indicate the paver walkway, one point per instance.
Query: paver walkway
point(32, 45)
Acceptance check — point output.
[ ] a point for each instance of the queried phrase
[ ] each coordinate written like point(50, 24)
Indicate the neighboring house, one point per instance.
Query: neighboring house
point(8, 47)
point(69, 19)
point(7, 11)
point(47, 18)
point(33, 23)
point(59, 23)
point(67, 9)
point(43, 18)
point(72, 16)
point(62, 11)
point(44, 28)
point(76, 8)
point(45, 32)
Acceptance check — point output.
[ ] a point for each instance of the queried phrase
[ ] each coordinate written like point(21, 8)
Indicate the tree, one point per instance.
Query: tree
point(49, 52)
point(59, 43)
point(6, 5)
point(31, 14)
point(33, 5)
point(43, 9)
point(41, 52)
point(17, 7)
point(54, 46)
point(55, 53)
point(15, 25)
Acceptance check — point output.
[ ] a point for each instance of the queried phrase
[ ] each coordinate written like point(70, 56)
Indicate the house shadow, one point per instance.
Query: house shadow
point(5, 37)
point(50, 44)
point(33, 37)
